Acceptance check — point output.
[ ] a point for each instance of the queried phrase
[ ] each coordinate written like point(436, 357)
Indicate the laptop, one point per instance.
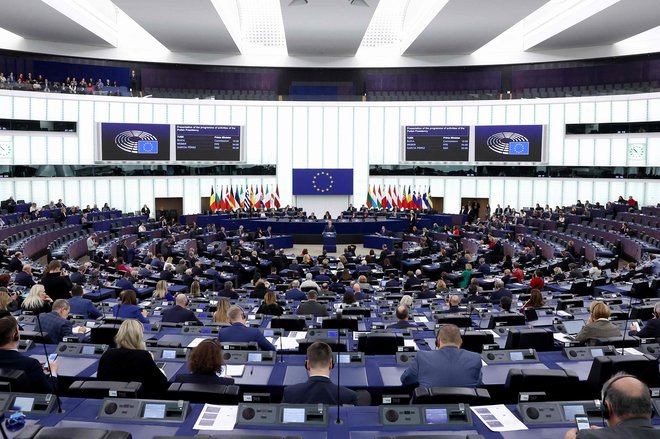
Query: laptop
point(572, 327)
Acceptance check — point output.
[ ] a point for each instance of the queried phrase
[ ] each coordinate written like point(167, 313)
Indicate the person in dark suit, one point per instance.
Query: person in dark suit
point(329, 228)
point(311, 306)
point(24, 277)
point(319, 389)
point(122, 250)
point(294, 292)
point(651, 327)
point(37, 380)
point(393, 281)
point(125, 282)
point(270, 306)
point(56, 282)
point(179, 313)
point(499, 292)
point(15, 263)
point(449, 366)
point(228, 291)
point(454, 304)
point(627, 408)
point(128, 307)
point(83, 307)
point(412, 280)
point(54, 325)
point(239, 332)
point(402, 319)
point(205, 363)
point(130, 361)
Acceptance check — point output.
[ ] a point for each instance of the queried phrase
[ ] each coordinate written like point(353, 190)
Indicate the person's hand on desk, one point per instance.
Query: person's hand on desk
point(573, 432)
point(145, 313)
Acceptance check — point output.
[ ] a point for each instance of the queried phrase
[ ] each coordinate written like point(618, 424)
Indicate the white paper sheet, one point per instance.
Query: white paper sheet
point(235, 370)
point(409, 342)
point(217, 417)
point(498, 418)
point(285, 343)
point(421, 319)
point(197, 341)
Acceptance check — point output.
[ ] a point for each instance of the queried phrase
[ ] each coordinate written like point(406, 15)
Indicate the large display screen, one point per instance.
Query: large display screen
point(508, 143)
point(436, 143)
point(208, 143)
point(140, 142)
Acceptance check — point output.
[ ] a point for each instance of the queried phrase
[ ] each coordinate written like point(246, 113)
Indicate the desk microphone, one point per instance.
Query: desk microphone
point(471, 307)
point(50, 370)
point(625, 326)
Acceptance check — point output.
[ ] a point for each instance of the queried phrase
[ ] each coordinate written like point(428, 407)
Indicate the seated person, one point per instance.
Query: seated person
point(505, 304)
point(535, 300)
point(312, 307)
point(465, 276)
point(128, 307)
point(179, 313)
point(54, 325)
point(651, 327)
point(454, 304)
point(161, 293)
point(402, 319)
point(37, 378)
point(228, 291)
point(37, 301)
point(205, 363)
point(269, 306)
point(240, 333)
point(449, 366)
point(598, 325)
point(628, 406)
point(318, 389)
point(500, 291)
point(83, 307)
point(294, 292)
point(130, 361)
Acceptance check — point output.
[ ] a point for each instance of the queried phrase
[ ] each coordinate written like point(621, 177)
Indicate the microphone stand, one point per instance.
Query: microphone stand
point(338, 420)
point(625, 326)
point(50, 371)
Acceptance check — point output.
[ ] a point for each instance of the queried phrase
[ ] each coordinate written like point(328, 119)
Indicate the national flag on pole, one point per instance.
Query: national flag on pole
point(377, 196)
point(370, 202)
point(383, 198)
point(414, 200)
point(223, 202)
point(409, 203)
point(268, 198)
point(395, 198)
point(251, 199)
point(430, 200)
point(276, 199)
point(390, 202)
point(241, 198)
point(213, 201)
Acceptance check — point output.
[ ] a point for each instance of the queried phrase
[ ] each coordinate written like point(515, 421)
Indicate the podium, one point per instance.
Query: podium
point(330, 242)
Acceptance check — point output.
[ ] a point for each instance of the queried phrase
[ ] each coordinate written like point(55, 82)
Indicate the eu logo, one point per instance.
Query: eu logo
point(147, 147)
point(518, 148)
point(322, 182)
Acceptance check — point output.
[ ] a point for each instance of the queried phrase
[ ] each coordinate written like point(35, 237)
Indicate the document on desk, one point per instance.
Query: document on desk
point(197, 341)
point(498, 418)
point(235, 370)
point(285, 343)
point(217, 418)
point(298, 335)
point(409, 342)
point(420, 319)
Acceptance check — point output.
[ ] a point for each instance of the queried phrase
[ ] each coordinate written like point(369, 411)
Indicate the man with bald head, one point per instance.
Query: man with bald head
point(448, 366)
point(629, 410)
point(179, 313)
point(454, 304)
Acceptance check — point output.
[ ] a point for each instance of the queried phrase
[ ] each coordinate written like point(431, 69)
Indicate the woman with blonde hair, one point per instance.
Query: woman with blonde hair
point(364, 283)
point(195, 290)
point(406, 300)
point(270, 306)
point(5, 300)
point(161, 292)
point(220, 315)
point(130, 361)
point(598, 325)
point(37, 301)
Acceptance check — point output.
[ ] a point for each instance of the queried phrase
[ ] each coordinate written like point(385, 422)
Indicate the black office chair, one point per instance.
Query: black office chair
point(475, 341)
point(335, 346)
point(80, 433)
point(12, 380)
point(204, 393)
point(580, 288)
point(506, 319)
point(102, 389)
point(530, 338)
point(450, 395)
point(558, 385)
point(357, 311)
point(460, 320)
point(380, 343)
point(644, 367)
point(642, 312)
point(563, 304)
point(618, 342)
point(348, 322)
point(289, 323)
point(104, 334)
point(640, 289)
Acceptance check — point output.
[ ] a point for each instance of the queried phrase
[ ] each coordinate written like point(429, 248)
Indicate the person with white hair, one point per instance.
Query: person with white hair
point(309, 283)
point(407, 301)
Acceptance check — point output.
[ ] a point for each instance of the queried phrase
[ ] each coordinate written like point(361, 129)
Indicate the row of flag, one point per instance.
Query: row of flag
point(233, 198)
point(380, 198)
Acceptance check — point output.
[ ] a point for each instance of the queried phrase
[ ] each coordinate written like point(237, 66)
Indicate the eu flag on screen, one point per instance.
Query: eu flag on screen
point(518, 148)
point(147, 146)
point(323, 182)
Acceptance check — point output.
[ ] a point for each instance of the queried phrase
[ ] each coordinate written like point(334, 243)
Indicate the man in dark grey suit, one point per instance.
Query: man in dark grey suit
point(628, 410)
point(449, 366)
point(312, 307)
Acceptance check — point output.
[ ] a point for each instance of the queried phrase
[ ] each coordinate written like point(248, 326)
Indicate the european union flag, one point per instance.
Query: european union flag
point(147, 146)
point(322, 182)
point(518, 148)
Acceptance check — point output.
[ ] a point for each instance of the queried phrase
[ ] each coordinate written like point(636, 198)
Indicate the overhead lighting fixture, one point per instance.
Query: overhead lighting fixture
point(298, 2)
point(362, 3)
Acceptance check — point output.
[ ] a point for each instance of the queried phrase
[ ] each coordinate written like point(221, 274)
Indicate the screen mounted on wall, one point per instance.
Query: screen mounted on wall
point(138, 142)
point(508, 143)
point(436, 143)
point(220, 143)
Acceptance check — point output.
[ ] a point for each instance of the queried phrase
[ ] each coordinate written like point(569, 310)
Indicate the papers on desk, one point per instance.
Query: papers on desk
point(498, 418)
point(233, 370)
point(357, 334)
point(197, 341)
point(284, 343)
point(563, 338)
point(409, 342)
point(420, 319)
point(489, 331)
point(632, 351)
point(217, 418)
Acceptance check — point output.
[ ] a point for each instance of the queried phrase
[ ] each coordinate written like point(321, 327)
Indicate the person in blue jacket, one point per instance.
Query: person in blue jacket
point(128, 307)
point(240, 332)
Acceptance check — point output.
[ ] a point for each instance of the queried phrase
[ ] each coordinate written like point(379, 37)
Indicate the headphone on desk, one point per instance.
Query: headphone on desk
point(605, 394)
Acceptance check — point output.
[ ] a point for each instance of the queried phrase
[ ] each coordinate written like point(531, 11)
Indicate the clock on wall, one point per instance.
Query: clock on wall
point(637, 151)
point(6, 150)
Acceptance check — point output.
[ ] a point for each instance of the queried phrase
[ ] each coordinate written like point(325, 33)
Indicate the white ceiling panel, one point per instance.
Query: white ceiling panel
point(182, 25)
point(35, 20)
point(618, 22)
point(463, 26)
point(326, 27)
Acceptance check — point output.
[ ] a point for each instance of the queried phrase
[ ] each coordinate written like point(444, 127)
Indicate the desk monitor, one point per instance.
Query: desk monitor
point(293, 415)
point(516, 356)
point(572, 327)
point(435, 416)
point(154, 411)
point(168, 354)
point(23, 404)
point(571, 410)
point(88, 350)
point(254, 357)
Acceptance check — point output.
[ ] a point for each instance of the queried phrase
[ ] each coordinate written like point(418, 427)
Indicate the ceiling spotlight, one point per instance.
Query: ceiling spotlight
point(359, 3)
point(298, 2)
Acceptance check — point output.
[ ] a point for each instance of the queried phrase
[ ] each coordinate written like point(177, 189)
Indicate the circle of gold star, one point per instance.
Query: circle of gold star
point(318, 189)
